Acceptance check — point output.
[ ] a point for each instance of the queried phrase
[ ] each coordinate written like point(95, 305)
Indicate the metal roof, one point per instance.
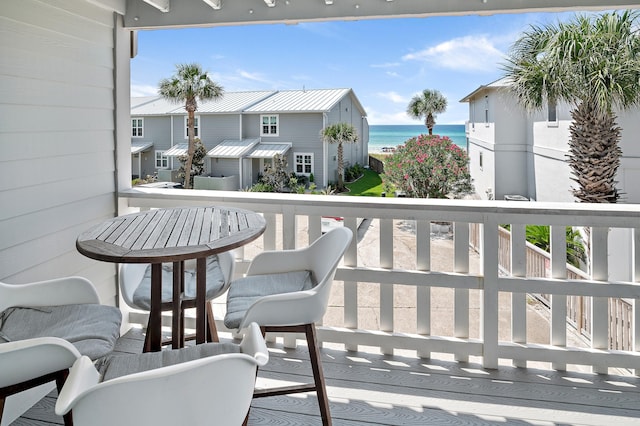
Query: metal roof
point(500, 83)
point(262, 101)
point(233, 102)
point(177, 150)
point(232, 148)
point(269, 150)
point(140, 146)
point(153, 105)
point(317, 100)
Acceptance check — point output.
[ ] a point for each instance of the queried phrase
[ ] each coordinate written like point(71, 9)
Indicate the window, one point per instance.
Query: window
point(269, 125)
point(136, 127)
point(552, 115)
point(486, 110)
point(196, 127)
point(162, 161)
point(303, 163)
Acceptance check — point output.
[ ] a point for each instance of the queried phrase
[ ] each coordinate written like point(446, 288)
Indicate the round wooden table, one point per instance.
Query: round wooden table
point(172, 235)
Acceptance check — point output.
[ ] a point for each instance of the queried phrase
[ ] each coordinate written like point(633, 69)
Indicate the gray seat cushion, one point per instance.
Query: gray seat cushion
point(93, 329)
point(114, 365)
point(215, 283)
point(245, 291)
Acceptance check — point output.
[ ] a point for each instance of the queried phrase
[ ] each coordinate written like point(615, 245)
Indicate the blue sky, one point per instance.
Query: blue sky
point(384, 61)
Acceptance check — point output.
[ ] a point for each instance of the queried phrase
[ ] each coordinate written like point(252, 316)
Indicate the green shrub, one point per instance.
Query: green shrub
point(429, 167)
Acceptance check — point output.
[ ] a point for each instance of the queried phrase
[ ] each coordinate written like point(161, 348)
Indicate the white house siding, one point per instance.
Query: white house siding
point(57, 137)
point(57, 164)
point(158, 131)
point(217, 127)
point(225, 166)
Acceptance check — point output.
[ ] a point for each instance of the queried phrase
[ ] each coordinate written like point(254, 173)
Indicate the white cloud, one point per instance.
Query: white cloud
point(388, 117)
point(392, 74)
point(386, 65)
point(143, 90)
point(253, 76)
point(469, 53)
point(393, 97)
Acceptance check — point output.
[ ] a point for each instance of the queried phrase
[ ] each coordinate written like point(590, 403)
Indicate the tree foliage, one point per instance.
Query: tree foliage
point(427, 105)
point(429, 166)
point(593, 63)
point(340, 133)
point(197, 162)
point(189, 84)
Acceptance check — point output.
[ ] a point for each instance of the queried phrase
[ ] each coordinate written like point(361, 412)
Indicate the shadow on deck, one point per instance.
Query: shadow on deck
point(366, 388)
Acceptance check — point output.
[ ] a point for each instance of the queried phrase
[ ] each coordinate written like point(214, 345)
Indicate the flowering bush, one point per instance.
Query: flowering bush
point(429, 167)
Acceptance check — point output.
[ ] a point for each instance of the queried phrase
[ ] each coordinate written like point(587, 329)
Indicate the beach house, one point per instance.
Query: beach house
point(516, 154)
point(243, 131)
point(66, 137)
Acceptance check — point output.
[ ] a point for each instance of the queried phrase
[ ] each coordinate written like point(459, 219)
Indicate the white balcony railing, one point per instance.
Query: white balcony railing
point(293, 220)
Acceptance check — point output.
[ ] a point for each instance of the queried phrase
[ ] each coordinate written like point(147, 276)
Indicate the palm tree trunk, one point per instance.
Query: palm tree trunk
point(594, 154)
point(340, 167)
point(191, 150)
point(430, 122)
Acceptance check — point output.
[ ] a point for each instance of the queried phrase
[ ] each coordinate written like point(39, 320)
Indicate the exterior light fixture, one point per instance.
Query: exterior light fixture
point(270, 3)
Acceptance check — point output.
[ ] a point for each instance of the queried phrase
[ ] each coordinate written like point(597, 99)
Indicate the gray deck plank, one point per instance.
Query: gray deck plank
point(371, 389)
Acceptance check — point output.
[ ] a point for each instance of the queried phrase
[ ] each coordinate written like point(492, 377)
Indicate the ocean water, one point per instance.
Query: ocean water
point(393, 135)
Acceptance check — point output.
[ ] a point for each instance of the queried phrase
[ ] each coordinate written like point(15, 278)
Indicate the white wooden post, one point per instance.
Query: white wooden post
point(635, 325)
point(461, 295)
point(386, 290)
point(519, 300)
point(599, 305)
point(489, 314)
point(558, 239)
point(351, 287)
point(289, 242)
point(423, 293)
point(269, 236)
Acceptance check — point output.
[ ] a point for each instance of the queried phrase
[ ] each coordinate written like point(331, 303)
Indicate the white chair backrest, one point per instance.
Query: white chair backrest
point(213, 390)
point(58, 291)
point(302, 307)
point(131, 274)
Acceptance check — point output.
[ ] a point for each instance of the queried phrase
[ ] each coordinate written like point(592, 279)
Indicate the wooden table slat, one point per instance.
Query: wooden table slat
point(215, 225)
point(157, 230)
point(117, 231)
point(187, 228)
point(142, 232)
point(167, 228)
point(196, 231)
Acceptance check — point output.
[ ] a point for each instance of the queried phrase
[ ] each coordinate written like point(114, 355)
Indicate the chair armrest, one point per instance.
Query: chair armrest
point(42, 355)
point(295, 308)
point(59, 291)
point(253, 344)
point(274, 262)
point(83, 376)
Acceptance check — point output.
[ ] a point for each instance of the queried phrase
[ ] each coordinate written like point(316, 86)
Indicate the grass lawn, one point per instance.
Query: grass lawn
point(369, 185)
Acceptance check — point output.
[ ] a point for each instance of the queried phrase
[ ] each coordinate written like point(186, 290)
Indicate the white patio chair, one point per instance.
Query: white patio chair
point(288, 291)
point(45, 327)
point(135, 285)
point(204, 384)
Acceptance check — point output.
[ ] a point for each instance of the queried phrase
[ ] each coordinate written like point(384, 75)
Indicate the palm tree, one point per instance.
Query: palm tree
point(592, 63)
point(340, 133)
point(189, 84)
point(427, 104)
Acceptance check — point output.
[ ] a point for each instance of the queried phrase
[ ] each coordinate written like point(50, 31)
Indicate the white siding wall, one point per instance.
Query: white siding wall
point(56, 137)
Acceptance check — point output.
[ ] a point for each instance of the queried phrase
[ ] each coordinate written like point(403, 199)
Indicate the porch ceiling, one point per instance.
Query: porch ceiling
point(181, 13)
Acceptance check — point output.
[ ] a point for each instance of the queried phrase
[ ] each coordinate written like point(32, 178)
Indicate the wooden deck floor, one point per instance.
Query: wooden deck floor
point(370, 389)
